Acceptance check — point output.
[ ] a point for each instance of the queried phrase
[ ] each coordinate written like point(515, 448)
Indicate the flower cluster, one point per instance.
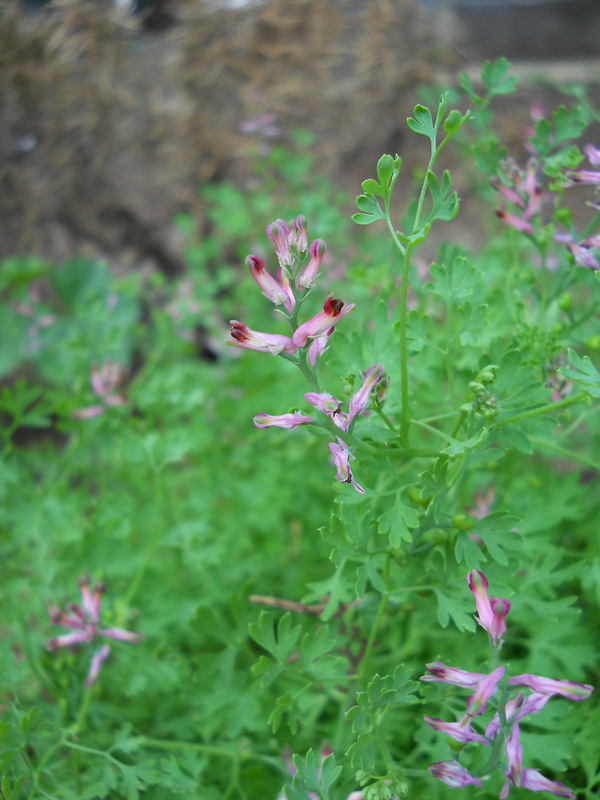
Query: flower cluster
point(503, 729)
point(105, 382)
point(521, 188)
point(299, 266)
point(583, 250)
point(84, 622)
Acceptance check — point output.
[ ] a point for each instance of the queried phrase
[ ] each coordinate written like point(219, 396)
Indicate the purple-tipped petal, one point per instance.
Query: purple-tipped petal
point(360, 400)
point(96, 664)
point(459, 731)
point(457, 677)
point(452, 774)
point(477, 703)
point(341, 457)
point(121, 635)
point(243, 336)
point(279, 233)
point(270, 288)
point(550, 687)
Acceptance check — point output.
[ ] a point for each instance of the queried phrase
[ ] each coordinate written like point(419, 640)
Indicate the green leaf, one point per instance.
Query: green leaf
point(457, 609)
point(313, 776)
point(280, 646)
point(445, 203)
point(494, 76)
point(455, 281)
point(585, 373)
point(372, 187)
point(498, 533)
point(422, 122)
point(396, 522)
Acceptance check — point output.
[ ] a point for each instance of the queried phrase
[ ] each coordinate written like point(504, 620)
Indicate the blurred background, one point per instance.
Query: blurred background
point(114, 113)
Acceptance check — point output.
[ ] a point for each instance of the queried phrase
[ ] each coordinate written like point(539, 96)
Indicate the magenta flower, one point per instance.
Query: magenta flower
point(452, 774)
point(477, 703)
point(279, 233)
point(492, 613)
point(459, 731)
point(288, 421)
point(360, 400)
point(457, 677)
point(333, 310)
point(550, 687)
point(243, 336)
point(271, 289)
point(518, 223)
point(84, 622)
point(308, 277)
point(342, 457)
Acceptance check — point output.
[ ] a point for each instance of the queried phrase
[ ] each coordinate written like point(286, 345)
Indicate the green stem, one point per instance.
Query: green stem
point(375, 627)
point(383, 748)
point(562, 451)
point(405, 415)
point(537, 412)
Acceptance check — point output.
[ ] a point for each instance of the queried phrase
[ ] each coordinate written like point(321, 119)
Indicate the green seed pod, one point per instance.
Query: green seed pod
point(565, 302)
point(593, 342)
point(463, 522)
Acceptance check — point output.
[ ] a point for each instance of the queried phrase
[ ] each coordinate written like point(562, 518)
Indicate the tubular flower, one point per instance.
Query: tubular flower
point(452, 774)
point(333, 311)
point(308, 276)
point(477, 703)
point(517, 708)
point(318, 346)
point(587, 176)
point(360, 400)
point(457, 677)
point(84, 622)
point(551, 687)
point(459, 731)
point(271, 289)
point(298, 237)
point(530, 779)
point(288, 421)
point(342, 457)
point(492, 613)
point(327, 404)
point(279, 233)
point(243, 336)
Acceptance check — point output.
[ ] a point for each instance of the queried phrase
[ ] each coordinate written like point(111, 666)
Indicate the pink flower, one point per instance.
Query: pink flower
point(321, 323)
point(243, 336)
point(341, 457)
point(452, 774)
point(276, 292)
point(298, 236)
point(360, 400)
point(527, 778)
point(457, 677)
point(522, 190)
point(327, 404)
point(517, 708)
point(318, 346)
point(459, 731)
point(492, 613)
point(105, 380)
point(282, 421)
point(477, 703)
point(279, 233)
point(550, 687)
point(308, 276)
point(84, 623)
